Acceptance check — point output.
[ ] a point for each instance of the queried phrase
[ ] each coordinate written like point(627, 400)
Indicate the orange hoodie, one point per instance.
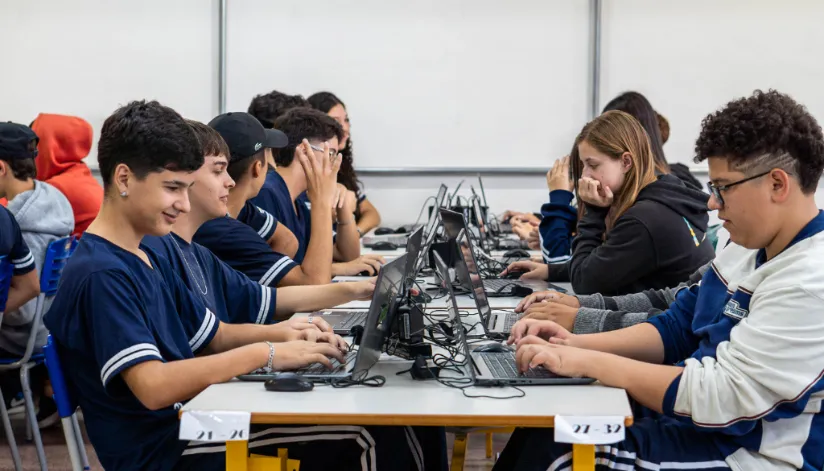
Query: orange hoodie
point(64, 142)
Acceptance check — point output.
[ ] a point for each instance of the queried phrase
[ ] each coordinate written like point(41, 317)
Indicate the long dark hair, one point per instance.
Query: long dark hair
point(325, 101)
point(637, 105)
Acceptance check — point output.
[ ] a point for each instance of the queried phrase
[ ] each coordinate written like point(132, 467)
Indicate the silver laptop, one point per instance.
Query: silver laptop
point(496, 368)
point(375, 331)
point(496, 324)
point(342, 321)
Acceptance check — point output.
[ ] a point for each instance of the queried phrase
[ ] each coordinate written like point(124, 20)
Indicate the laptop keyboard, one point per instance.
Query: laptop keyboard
point(496, 286)
point(319, 369)
point(502, 365)
point(399, 240)
point(511, 319)
point(355, 318)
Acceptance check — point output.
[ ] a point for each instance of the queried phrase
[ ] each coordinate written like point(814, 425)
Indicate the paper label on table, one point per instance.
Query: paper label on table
point(589, 430)
point(214, 426)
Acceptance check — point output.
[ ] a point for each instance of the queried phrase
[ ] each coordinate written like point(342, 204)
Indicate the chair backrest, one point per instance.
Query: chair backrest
point(6, 272)
point(57, 254)
point(66, 405)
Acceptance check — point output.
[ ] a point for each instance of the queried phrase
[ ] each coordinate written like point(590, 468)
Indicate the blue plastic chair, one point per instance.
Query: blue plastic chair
point(57, 254)
point(66, 407)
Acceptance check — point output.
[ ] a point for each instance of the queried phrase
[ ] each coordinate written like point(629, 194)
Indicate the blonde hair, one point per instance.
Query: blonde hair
point(615, 133)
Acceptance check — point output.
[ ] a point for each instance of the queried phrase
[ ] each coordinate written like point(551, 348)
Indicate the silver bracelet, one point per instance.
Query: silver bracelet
point(271, 356)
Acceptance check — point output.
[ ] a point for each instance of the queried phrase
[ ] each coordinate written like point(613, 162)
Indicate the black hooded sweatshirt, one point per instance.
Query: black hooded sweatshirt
point(657, 243)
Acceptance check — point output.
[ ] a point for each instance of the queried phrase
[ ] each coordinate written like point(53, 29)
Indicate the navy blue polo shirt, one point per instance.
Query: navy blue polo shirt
point(231, 295)
point(239, 246)
point(12, 245)
point(112, 311)
point(274, 197)
point(258, 219)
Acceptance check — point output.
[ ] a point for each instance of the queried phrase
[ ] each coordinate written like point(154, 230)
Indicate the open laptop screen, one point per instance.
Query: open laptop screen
point(379, 319)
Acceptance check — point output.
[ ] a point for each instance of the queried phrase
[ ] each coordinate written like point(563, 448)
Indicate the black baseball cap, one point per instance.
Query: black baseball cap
point(16, 139)
point(245, 136)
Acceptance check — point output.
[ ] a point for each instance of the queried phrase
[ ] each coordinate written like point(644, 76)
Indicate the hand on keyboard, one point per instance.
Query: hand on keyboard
point(560, 359)
point(300, 353)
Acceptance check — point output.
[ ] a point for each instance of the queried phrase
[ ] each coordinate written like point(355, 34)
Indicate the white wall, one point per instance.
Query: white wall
point(427, 83)
point(691, 57)
point(88, 57)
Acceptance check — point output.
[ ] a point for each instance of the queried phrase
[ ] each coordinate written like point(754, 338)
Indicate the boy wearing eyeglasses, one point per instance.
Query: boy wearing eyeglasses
point(733, 371)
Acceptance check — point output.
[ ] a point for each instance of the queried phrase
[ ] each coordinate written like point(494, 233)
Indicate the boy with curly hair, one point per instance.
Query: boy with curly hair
point(731, 376)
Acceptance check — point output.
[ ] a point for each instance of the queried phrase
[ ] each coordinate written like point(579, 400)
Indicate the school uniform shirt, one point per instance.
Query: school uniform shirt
point(12, 245)
point(112, 312)
point(558, 221)
point(751, 340)
point(258, 219)
point(231, 295)
point(240, 247)
point(657, 243)
point(274, 197)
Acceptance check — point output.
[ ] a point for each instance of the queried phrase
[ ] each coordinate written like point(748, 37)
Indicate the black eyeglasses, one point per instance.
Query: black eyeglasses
point(716, 190)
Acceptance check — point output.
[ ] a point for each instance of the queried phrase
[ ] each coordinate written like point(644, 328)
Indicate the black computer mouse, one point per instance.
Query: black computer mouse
point(493, 347)
point(516, 253)
point(384, 231)
point(288, 382)
point(512, 275)
point(384, 245)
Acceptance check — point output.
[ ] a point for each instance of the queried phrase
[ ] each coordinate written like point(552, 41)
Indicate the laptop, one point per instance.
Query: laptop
point(496, 324)
point(342, 321)
point(401, 239)
point(376, 328)
point(499, 227)
point(496, 368)
point(453, 224)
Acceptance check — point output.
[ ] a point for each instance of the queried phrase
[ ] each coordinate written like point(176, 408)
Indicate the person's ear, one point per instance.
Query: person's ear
point(4, 168)
point(626, 162)
point(779, 182)
point(257, 169)
point(122, 179)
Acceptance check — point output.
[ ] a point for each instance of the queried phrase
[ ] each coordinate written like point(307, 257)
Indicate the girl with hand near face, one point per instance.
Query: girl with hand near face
point(638, 230)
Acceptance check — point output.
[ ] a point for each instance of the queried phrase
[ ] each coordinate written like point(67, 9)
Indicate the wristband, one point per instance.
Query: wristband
point(346, 223)
point(271, 356)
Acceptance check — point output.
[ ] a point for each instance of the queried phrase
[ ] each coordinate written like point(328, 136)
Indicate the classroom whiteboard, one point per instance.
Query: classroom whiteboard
point(88, 57)
point(427, 83)
point(690, 58)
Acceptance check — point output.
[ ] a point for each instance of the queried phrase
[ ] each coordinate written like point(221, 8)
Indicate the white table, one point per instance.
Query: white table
point(404, 401)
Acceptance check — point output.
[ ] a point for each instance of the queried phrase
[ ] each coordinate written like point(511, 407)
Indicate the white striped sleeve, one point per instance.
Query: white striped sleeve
point(206, 331)
point(127, 357)
point(269, 224)
point(277, 271)
point(267, 304)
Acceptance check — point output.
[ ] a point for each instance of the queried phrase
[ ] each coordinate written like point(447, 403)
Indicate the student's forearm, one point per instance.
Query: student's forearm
point(370, 217)
point(284, 242)
point(312, 298)
point(347, 241)
point(230, 336)
point(23, 289)
point(157, 384)
point(644, 382)
point(640, 342)
point(317, 263)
